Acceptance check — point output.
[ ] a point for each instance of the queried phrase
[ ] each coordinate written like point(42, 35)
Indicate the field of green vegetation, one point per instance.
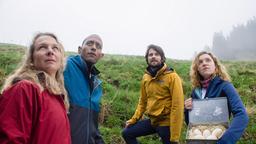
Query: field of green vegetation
point(121, 77)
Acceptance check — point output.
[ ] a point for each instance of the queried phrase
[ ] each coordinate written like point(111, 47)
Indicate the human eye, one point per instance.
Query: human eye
point(157, 54)
point(56, 47)
point(41, 47)
point(208, 60)
point(98, 46)
point(89, 43)
point(200, 62)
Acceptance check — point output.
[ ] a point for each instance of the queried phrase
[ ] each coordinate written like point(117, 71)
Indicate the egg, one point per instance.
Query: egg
point(212, 137)
point(217, 132)
point(197, 132)
point(198, 137)
point(206, 133)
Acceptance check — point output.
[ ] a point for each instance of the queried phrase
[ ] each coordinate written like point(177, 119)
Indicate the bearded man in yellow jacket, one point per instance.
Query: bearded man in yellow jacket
point(161, 100)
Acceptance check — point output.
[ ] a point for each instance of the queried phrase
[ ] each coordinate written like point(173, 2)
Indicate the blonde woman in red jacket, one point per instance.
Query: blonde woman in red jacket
point(33, 103)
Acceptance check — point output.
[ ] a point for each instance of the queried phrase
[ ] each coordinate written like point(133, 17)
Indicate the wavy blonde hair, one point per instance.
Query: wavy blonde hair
point(27, 71)
point(195, 76)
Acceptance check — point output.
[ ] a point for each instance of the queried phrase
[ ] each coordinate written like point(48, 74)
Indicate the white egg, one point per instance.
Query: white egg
point(198, 137)
point(206, 133)
point(217, 132)
point(197, 132)
point(212, 137)
point(190, 132)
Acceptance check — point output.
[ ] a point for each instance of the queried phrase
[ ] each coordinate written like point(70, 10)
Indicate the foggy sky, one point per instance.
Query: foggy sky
point(180, 27)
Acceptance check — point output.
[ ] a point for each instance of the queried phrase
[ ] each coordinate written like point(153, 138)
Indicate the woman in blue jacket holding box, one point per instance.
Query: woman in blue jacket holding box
point(209, 80)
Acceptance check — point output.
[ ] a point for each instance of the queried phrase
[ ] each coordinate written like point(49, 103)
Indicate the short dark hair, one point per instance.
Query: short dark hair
point(156, 48)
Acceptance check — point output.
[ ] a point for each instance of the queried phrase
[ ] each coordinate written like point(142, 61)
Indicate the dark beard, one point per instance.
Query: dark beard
point(154, 69)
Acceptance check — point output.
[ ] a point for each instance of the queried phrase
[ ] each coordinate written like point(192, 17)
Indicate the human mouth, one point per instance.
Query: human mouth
point(205, 68)
point(50, 60)
point(153, 60)
point(91, 54)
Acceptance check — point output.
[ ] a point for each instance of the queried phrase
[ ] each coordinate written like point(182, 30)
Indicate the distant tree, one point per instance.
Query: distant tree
point(239, 45)
point(219, 45)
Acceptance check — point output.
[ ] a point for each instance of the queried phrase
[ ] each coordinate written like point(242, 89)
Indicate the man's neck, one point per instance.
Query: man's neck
point(89, 65)
point(154, 69)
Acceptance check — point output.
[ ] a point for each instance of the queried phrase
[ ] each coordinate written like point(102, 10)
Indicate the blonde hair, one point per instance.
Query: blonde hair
point(220, 70)
point(27, 71)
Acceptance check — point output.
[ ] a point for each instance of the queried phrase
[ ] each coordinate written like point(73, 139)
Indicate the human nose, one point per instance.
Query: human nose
point(93, 47)
point(204, 62)
point(50, 51)
point(154, 56)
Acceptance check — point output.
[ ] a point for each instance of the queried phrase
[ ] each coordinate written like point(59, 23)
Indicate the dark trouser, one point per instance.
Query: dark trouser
point(143, 128)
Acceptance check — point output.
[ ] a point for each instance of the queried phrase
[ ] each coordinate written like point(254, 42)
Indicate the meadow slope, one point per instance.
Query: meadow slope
point(121, 77)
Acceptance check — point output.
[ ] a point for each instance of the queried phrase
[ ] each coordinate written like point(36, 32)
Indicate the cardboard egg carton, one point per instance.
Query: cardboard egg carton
point(208, 120)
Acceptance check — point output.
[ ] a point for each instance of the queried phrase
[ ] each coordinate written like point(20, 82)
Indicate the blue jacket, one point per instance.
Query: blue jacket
point(221, 88)
point(84, 91)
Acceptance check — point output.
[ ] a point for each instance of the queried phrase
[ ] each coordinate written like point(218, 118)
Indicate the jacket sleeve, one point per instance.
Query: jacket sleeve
point(177, 109)
point(240, 117)
point(141, 107)
point(17, 113)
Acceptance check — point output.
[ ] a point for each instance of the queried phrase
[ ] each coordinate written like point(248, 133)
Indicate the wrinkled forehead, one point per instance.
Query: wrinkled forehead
point(94, 38)
point(45, 39)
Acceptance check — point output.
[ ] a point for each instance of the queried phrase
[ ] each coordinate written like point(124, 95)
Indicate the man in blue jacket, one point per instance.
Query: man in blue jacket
point(84, 90)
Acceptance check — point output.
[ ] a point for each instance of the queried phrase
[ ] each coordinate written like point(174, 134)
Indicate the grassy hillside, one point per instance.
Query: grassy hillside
point(10, 56)
point(121, 77)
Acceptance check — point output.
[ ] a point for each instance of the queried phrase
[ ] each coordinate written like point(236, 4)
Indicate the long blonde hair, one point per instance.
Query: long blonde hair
point(220, 70)
point(27, 71)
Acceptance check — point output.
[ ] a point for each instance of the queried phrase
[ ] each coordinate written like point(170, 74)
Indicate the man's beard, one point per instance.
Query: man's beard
point(155, 66)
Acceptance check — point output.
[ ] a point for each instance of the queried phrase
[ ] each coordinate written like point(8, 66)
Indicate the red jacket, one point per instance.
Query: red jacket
point(28, 116)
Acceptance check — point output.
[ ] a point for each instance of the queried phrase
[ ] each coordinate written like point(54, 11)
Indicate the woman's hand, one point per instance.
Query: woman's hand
point(188, 103)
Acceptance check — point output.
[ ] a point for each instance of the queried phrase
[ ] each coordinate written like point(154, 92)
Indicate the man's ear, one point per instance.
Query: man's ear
point(79, 50)
point(102, 55)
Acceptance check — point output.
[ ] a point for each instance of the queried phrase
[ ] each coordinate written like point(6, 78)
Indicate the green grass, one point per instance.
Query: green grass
point(121, 77)
point(121, 80)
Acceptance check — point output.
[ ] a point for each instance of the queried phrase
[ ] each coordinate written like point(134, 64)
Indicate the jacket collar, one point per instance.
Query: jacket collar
point(162, 70)
point(81, 63)
point(93, 70)
point(212, 86)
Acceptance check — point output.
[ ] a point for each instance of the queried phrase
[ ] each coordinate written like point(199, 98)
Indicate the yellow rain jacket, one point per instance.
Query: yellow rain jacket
point(162, 100)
